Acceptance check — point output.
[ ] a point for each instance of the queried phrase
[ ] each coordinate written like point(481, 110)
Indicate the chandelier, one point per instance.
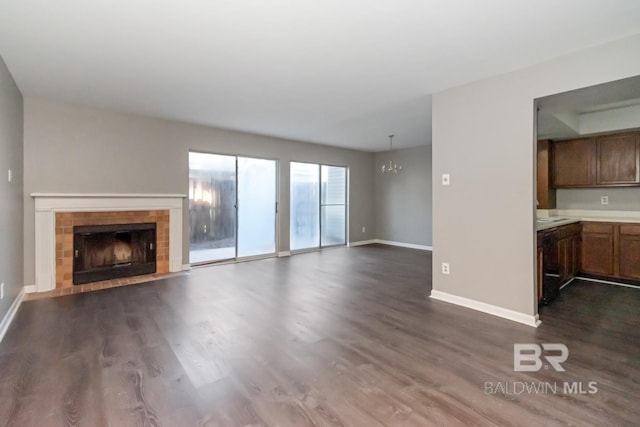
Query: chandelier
point(391, 167)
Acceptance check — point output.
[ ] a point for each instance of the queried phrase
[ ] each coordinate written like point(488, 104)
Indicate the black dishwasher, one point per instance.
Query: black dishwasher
point(550, 266)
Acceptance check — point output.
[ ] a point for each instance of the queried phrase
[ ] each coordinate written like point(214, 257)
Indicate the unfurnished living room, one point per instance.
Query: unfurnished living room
point(336, 213)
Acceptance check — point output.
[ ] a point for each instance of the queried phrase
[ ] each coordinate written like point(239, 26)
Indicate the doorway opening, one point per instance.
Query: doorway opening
point(588, 190)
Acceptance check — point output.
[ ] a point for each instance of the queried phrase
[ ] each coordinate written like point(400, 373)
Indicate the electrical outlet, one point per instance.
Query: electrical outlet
point(2, 290)
point(445, 268)
point(364, 229)
point(604, 200)
point(446, 179)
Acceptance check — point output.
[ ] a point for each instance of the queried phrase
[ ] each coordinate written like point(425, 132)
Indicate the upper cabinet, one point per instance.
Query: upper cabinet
point(546, 194)
point(618, 160)
point(574, 163)
point(604, 161)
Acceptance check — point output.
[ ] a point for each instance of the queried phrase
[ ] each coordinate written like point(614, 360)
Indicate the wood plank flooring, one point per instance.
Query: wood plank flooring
point(341, 337)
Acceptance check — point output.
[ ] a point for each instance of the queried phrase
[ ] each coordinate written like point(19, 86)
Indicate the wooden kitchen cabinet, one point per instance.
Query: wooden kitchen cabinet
point(568, 252)
point(597, 249)
point(629, 251)
point(558, 259)
point(618, 159)
point(603, 161)
point(574, 163)
point(569, 257)
point(545, 193)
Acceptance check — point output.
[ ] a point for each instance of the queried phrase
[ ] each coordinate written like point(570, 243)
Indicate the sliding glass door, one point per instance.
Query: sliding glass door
point(256, 207)
point(232, 207)
point(212, 212)
point(305, 209)
point(318, 206)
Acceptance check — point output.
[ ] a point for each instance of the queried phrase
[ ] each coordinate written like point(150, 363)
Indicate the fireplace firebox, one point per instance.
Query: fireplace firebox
point(104, 252)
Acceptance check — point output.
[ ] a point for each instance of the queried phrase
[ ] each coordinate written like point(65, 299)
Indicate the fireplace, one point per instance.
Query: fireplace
point(104, 252)
point(56, 215)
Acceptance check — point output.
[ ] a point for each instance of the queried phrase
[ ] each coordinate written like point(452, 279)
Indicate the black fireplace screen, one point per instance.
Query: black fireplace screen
point(103, 252)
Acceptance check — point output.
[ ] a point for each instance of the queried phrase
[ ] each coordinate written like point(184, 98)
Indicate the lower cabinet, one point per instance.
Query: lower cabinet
point(558, 259)
point(611, 250)
point(601, 249)
point(598, 248)
point(569, 257)
point(629, 251)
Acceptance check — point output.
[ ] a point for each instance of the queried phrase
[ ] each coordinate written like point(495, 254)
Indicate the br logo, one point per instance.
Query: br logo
point(528, 357)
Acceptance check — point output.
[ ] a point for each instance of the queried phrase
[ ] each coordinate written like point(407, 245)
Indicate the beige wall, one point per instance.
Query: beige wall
point(620, 199)
point(483, 136)
point(10, 193)
point(403, 200)
point(73, 149)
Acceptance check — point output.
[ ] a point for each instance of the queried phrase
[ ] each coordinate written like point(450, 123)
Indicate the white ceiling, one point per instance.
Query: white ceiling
point(337, 72)
point(601, 108)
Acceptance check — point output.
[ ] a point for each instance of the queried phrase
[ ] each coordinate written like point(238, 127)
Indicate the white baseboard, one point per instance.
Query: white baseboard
point(186, 267)
point(8, 318)
point(30, 289)
point(362, 242)
point(527, 319)
point(607, 282)
point(284, 253)
point(404, 245)
point(568, 283)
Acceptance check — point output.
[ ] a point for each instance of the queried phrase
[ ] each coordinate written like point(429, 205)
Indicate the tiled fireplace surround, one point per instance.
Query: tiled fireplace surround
point(57, 214)
point(65, 221)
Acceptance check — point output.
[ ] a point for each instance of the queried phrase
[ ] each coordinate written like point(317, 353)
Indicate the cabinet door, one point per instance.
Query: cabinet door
point(629, 251)
point(545, 194)
point(568, 258)
point(563, 260)
point(576, 248)
point(597, 253)
point(630, 256)
point(617, 160)
point(574, 163)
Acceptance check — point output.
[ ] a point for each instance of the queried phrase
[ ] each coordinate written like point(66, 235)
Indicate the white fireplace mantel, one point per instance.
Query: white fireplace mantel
point(47, 204)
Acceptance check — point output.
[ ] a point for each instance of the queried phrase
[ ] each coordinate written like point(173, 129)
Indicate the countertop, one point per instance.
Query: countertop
point(570, 216)
point(544, 225)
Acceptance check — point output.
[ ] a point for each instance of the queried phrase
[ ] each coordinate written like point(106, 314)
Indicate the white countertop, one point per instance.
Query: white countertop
point(540, 225)
point(571, 216)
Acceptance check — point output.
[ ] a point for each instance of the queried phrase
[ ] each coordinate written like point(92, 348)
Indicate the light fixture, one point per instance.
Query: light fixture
point(391, 167)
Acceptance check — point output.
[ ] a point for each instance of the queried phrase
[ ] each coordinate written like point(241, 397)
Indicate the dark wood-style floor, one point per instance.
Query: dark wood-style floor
point(340, 337)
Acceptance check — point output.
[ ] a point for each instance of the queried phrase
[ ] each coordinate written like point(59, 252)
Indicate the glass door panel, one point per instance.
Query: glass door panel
point(212, 213)
point(305, 211)
point(333, 205)
point(333, 225)
point(256, 207)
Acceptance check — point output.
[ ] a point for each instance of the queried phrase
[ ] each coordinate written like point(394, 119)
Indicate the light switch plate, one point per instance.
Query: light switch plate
point(9, 175)
point(446, 179)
